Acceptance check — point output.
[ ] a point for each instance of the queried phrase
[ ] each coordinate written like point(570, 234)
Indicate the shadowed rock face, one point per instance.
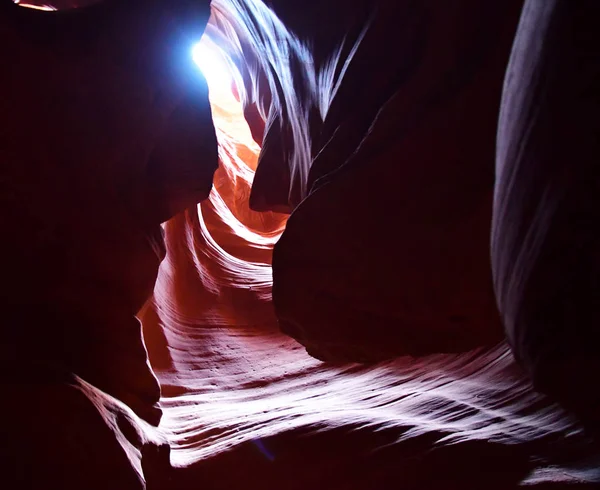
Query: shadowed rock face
point(545, 236)
point(65, 433)
point(389, 253)
point(110, 134)
point(106, 133)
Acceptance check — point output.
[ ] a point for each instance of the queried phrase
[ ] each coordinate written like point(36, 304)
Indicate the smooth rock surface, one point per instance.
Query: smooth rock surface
point(106, 133)
point(546, 233)
point(389, 253)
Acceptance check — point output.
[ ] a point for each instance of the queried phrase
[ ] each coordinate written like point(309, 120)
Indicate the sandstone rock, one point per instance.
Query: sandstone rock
point(64, 433)
point(244, 405)
point(546, 237)
point(115, 153)
point(106, 133)
point(389, 253)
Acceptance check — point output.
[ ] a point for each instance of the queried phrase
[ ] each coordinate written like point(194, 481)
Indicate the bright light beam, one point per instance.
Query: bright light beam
point(213, 66)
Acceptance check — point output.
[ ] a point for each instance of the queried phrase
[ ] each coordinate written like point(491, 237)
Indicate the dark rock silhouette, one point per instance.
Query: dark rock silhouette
point(545, 237)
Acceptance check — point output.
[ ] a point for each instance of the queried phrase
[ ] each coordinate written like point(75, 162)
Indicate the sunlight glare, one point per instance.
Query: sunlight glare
point(213, 66)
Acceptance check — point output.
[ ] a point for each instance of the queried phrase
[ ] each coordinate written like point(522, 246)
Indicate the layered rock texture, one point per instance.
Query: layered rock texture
point(366, 258)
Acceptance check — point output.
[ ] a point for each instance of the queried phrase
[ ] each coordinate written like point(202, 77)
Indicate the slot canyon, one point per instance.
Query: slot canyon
point(300, 244)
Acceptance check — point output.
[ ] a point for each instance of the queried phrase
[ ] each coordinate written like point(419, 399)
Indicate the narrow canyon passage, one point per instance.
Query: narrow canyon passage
point(300, 244)
point(232, 381)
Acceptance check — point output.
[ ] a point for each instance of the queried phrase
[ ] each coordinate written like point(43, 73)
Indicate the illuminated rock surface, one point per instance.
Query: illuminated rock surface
point(396, 228)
